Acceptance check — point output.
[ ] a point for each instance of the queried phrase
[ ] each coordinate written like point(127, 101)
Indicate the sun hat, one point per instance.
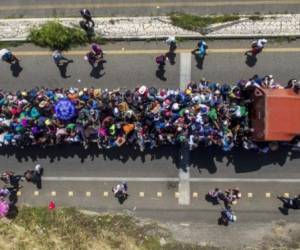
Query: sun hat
point(43, 104)
point(142, 90)
point(175, 106)
point(97, 92)
point(127, 128)
point(48, 122)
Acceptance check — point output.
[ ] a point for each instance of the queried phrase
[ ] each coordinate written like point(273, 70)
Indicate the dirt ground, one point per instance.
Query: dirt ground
point(260, 236)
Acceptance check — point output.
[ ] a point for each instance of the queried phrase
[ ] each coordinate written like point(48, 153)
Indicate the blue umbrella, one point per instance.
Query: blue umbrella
point(64, 109)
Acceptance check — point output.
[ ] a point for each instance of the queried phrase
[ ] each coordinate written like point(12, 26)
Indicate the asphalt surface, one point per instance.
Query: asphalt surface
point(46, 8)
point(129, 70)
point(258, 208)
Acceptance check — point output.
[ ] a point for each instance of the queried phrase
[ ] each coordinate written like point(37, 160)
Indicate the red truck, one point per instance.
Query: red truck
point(275, 114)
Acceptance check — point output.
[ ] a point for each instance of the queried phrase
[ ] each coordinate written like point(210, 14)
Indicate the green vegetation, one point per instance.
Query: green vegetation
point(256, 18)
point(57, 36)
point(192, 22)
point(68, 228)
point(9, 44)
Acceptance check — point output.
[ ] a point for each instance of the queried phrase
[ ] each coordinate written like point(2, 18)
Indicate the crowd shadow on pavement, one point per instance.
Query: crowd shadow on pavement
point(202, 158)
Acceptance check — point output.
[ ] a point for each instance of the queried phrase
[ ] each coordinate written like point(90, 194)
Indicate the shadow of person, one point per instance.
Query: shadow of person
point(250, 60)
point(13, 197)
point(13, 212)
point(160, 72)
point(171, 55)
point(122, 198)
point(199, 60)
point(63, 68)
point(285, 205)
point(284, 210)
point(96, 70)
point(213, 201)
point(16, 69)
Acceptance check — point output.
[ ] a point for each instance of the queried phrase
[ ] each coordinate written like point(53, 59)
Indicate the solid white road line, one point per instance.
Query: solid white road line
point(162, 179)
point(185, 69)
point(184, 171)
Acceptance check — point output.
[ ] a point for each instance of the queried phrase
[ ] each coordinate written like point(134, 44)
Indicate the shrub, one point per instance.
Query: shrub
point(57, 36)
point(192, 22)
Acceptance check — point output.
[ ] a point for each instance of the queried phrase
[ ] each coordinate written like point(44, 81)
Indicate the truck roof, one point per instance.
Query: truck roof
point(275, 114)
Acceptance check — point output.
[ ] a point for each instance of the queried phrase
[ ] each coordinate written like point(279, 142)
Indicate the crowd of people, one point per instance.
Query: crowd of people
point(205, 113)
point(228, 197)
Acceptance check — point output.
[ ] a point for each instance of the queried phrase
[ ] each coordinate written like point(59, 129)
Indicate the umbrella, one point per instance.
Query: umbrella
point(4, 208)
point(65, 109)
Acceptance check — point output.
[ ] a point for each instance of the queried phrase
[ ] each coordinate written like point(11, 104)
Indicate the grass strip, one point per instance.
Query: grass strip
point(196, 23)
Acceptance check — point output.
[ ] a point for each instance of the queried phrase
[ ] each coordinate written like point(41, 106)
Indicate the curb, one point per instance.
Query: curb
point(162, 37)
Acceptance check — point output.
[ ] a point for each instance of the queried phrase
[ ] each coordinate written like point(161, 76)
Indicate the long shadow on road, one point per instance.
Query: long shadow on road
point(200, 158)
point(243, 161)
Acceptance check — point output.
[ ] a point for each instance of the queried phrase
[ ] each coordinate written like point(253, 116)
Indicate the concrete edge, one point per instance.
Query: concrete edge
point(132, 17)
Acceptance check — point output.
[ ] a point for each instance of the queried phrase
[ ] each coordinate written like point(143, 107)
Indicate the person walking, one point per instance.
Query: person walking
point(59, 58)
point(88, 21)
point(171, 41)
point(257, 47)
point(120, 191)
point(35, 176)
point(7, 56)
point(291, 202)
point(200, 51)
point(95, 55)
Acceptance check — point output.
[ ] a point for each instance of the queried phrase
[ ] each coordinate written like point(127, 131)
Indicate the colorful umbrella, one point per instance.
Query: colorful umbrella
point(4, 208)
point(64, 109)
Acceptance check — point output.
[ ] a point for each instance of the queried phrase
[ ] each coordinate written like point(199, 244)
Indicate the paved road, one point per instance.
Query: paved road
point(225, 62)
point(258, 203)
point(35, 8)
point(135, 64)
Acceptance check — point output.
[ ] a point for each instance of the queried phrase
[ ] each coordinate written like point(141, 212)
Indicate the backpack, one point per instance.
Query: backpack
point(160, 59)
